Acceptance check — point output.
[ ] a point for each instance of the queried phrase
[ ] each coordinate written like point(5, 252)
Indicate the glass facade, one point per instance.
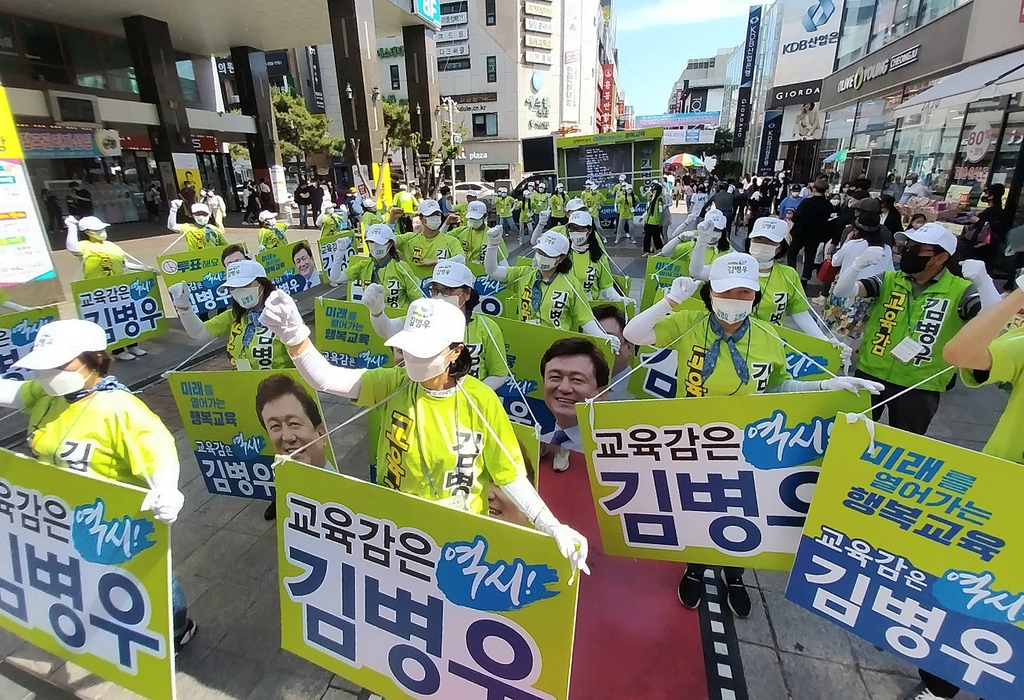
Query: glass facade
point(868, 25)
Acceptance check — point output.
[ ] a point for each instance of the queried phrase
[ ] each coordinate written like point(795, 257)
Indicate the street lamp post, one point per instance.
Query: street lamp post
point(452, 108)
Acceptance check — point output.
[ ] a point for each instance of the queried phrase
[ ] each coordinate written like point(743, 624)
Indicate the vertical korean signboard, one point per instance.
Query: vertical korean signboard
point(607, 97)
point(571, 73)
point(743, 105)
point(24, 255)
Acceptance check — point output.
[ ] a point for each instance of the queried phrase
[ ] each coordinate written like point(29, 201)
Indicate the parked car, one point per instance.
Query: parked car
point(484, 191)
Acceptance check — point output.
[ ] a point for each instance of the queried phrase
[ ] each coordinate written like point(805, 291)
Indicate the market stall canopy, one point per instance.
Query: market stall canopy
point(685, 160)
point(1003, 75)
point(838, 156)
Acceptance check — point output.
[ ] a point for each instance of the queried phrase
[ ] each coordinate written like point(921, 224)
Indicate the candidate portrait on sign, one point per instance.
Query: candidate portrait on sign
point(292, 419)
point(573, 370)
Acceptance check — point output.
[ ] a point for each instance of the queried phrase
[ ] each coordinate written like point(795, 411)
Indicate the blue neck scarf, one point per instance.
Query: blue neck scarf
point(211, 234)
point(108, 383)
point(377, 267)
point(711, 359)
point(537, 293)
point(253, 316)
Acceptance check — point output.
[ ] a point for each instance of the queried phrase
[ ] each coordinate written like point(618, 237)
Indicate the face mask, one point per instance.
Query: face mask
point(246, 298)
point(59, 382)
point(97, 235)
point(731, 310)
point(422, 370)
point(763, 253)
point(433, 222)
point(835, 202)
point(378, 251)
point(579, 238)
point(476, 223)
point(202, 219)
point(543, 262)
point(447, 298)
point(913, 263)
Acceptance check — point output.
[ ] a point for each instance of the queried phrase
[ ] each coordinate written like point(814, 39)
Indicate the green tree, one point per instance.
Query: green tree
point(300, 132)
point(398, 122)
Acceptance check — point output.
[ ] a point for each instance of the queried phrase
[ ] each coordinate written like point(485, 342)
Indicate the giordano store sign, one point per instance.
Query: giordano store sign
point(866, 74)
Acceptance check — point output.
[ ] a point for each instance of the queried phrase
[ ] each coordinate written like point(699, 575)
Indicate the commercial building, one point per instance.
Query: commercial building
point(705, 86)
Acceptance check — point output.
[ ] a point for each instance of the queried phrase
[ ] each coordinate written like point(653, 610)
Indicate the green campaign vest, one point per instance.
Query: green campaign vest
point(931, 318)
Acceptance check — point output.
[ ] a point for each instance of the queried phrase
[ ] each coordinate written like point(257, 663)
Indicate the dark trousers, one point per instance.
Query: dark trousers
point(937, 686)
point(652, 235)
point(912, 412)
point(810, 248)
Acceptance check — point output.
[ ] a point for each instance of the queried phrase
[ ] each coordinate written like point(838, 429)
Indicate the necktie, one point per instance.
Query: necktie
point(560, 437)
point(711, 359)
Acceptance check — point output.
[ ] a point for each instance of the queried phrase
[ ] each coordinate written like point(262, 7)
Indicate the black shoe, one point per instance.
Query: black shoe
point(737, 597)
point(271, 512)
point(691, 589)
point(190, 631)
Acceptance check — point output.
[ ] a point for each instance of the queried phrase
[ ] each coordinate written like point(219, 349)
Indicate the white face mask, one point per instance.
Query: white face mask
point(202, 219)
point(433, 222)
point(378, 251)
point(59, 382)
point(270, 223)
point(246, 297)
point(763, 253)
point(731, 310)
point(836, 202)
point(543, 262)
point(476, 223)
point(447, 298)
point(579, 239)
point(100, 235)
point(422, 370)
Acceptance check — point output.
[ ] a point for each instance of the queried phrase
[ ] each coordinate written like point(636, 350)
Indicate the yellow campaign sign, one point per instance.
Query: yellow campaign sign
point(10, 145)
point(86, 574)
point(412, 599)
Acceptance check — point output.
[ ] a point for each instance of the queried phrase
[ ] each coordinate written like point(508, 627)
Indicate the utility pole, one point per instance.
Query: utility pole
point(452, 108)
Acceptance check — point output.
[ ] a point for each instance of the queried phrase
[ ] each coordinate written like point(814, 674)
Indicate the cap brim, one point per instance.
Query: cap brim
point(239, 282)
point(726, 285)
point(418, 345)
point(50, 357)
point(547, 250)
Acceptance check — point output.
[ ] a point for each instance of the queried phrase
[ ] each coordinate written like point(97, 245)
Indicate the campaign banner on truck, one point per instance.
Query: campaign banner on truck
point(203, 272)
point(86, 574)
point(128, 307)
point(238, 422)
point(291, 267)
point(715, 480)
point(345, 336)
point(338, 246)
point(915, 546)
point(18, 331)
point(412, 599)
point(523, 395)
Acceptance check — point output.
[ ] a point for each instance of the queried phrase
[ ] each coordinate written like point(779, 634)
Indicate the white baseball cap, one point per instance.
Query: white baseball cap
point(552, 244)
point(200, 208)
point(369, 203)
point(734, 271)
point(933, 234)
point(771, 228)
point(717, 218)
point(266, 215)
point(380, 234)
point(428, 207)
point(622, 178)
point(91, 223)
point(476, 210)
point(453, 273)
point(431, 325)
point(59, 342)
point(243, 273)
point(575, 204)
point(581, 218)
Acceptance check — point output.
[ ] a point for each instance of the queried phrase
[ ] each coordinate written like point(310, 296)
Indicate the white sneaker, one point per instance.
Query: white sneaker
point(123, 355)
point(138, 351)
point(920, 692)
point(560, 460)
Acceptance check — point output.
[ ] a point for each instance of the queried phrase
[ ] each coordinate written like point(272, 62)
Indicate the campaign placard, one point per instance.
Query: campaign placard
point(345, 336)
point(291, 267)
point(128, 307)
point(203, 272)
point(18, 331)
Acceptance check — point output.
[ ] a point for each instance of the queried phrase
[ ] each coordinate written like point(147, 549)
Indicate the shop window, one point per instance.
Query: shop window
point(83, 57)
point(492, 69)
point(490, 12)
point(485, 124)
point(39, 41)
point(8, 45)
point(396, 82)
point(117, 62)
point(187, 78)
point(853, 41)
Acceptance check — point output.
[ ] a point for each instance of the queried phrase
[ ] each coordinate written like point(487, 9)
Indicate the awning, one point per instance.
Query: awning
point(995, 77)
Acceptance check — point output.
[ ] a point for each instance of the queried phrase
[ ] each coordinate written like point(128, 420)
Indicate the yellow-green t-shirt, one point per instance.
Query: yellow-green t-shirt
point(440, 447)
point(474, 243)
point(594, 277)
point(415, 248)
point(109, 433)
point(40, 406)
point(199, 237)
point(250, 344)
point(101, 259)
point(563, 303)
point(690, 335)
point(1007, 352)
point(781, 295)
point(332, 224)
point(273, 237)
point(396, 277)
point(486, 344)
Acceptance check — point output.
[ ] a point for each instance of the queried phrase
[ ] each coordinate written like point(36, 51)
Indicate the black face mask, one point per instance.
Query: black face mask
point(913, 263)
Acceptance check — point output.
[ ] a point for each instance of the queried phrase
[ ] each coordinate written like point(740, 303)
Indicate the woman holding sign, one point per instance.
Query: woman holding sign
point(383, 267)
point(590, 261)
point(82, 418)
point(454, 283)
point(547, 291)
point(272, 233)
point(724, 351)
point(449, 437)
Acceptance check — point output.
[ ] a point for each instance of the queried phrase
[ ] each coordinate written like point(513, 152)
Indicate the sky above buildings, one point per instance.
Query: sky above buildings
point(656, 38)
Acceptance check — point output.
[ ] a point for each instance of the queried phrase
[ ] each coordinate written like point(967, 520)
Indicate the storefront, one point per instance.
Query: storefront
point(215, 169)
point(488, 161)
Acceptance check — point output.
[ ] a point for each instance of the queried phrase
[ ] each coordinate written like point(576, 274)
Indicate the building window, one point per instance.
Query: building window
point(485, 124)
point(187, 79)
point(492, 69)
point(449, 64)
point(492, 14)
point(853, 42)
point(396, 82)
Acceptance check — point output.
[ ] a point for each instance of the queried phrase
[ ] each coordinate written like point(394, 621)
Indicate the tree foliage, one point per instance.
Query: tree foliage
point(299, 132)
point(398, 122)
point(721, 147)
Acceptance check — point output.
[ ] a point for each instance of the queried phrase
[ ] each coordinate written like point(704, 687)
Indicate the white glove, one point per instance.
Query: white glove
point(616, 343)
point(571, 544)
point(851, 384)
point(682, 289)
point(974, 270)
point(175, 204)
point(494, 235)
point(373, 299)
point(70, 221)
point(281, 315)
point(179, 294)
point(165, 504)
point(1020, 282)
point(706, 233)
point(871, 256)
point(845, 351)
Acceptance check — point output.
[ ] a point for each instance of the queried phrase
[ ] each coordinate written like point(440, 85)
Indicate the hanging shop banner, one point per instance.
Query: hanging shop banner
point(203, 272)
point(339, 245)
point(291, 267)
point(17, 334)
point(86, 574)
point(411, 599)
point(69, 142)
point(238, 422)
point(771, 134)
point(345, 336)
point(128, 307)
point(915, 546)
point(524, 395)
point(24, 252)
point(721, 481)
